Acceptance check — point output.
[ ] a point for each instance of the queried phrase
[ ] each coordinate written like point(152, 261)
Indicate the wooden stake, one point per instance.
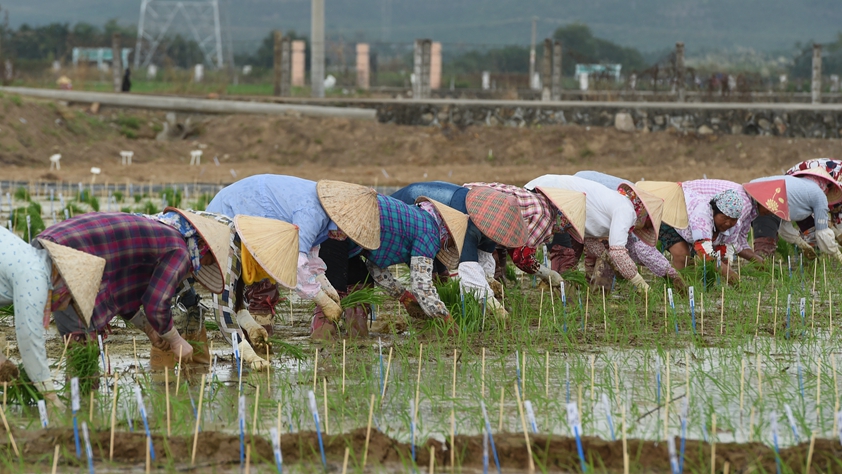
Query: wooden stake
point(482, 376)
point(269, 374)
point(525, 431)
point(523, 374)
point(368, 430)
point(114, 416)
point(345, 460)
point(167, 396)
point(9, 431)
point(148, 456)
point(646, 305)
point(178, 375)
point(198, 419)
point(751, 425)
point(727, 468)
point(541, 308)
point(453, 385)
point(625, 443)
point(432, 459)
point(713, 443)
point(502, 395)
point(91, 409)
point(315, 369)
point(254, 429)
point(759, 378)
point(775, 319)
point(343, 366)
point(835, 392)
point(666, 303)
point(240, 376)
point(721, 311)
point(546, 373)
point(702, 298)
point(327, 417)
point(830, 311)
point(604, 313)
point(248, 458)
point(593, 378)
point(587, 308)
point(757, 317)
point(55, 460)
point(278, 423)
point(810, 452)
point(386, 380)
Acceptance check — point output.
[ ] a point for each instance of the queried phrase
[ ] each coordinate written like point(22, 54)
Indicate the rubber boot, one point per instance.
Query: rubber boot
point(356, 321)
point(322, 328)
point(765, 246)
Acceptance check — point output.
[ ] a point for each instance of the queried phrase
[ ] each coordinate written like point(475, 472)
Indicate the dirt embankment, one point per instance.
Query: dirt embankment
point(553, 454)
point(364, 151)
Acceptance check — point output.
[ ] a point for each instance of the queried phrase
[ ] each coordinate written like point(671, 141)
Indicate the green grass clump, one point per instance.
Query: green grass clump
point(129, 122)
point(173, 196)
point(450, 295)
point(118, 196)
point(148, 208)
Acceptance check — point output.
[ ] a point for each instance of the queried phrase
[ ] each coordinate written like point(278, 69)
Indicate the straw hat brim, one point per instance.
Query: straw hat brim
point(218, 238)
point(654, 209)
point(573, 204)
point(834, 193)
point(455, 221)
point(497, 216)
point(273, 244)
point(675, 206)
point(354, 209)
point(82, 273)
point(771, 195)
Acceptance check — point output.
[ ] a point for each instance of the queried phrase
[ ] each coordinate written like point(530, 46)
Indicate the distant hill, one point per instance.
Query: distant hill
point(649, 25)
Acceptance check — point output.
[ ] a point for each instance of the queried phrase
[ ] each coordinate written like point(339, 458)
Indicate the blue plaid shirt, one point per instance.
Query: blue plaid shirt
point(405, 232)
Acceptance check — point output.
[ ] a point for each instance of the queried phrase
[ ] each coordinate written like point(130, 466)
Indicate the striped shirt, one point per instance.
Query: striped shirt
point(145, 261)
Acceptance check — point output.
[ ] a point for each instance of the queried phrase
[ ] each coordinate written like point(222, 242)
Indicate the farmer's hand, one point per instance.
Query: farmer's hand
point(497, 309)
point(54, 403)
point(330, 308)
point(178, 345)
point(325, 285)
point(496, 287)
point(639, 283)
point(155, 339)
point(412, 306)
point(256, 333)
point(679, 285)
point(251, 358)
point(552, 277)
point(807, 249)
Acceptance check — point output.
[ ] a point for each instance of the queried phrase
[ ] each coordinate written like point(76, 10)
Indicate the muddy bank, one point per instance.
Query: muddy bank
point(555, 454)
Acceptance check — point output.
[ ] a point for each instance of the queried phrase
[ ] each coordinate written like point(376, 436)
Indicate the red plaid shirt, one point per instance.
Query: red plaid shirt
point(145, 261)
point(535, 209)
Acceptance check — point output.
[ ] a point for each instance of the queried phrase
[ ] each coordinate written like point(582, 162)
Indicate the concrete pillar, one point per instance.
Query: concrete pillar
point(286, 67)
point(363, 67)
point(421, 86)
point(486, 80)
point(533, 84)
point(116, 62)
point(546, 66)
point(556, 86)
point(816, 88)
point(435, 66)
point(679, 70)
point(298, 58)
point(277, 50)
point(317, 43)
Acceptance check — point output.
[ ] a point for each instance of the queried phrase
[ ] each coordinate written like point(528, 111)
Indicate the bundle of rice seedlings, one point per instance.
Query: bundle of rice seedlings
point(451, 296)
point(22, 391)
point(282, 348)
point(83, 362)
point(366, 296)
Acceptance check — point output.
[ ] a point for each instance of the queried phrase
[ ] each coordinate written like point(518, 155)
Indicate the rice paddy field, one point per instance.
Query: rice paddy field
point(728, 379)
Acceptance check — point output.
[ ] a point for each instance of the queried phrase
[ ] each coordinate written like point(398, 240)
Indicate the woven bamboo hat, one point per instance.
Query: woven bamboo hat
point(455, 221)
point(273, 244)
point(218, 238)
point(675, 207)
point(645, 205)
point(354, 209)
point(834, 191)
point(573, 204)
point(82, 273)
point(770, 194)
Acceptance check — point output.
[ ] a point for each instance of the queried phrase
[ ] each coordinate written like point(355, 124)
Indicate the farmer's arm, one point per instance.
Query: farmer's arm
point(30, 299)
point(173, 267)
point(422, 288)
point(384, 278)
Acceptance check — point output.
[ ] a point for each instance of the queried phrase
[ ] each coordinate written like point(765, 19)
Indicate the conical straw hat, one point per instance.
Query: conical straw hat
point(82, 273)
point(273, 244)
point(455, 221)
point(497, 216)
point(654, 207)
point(573, 204)
point(218, 237)
point(675, 207)
point(354, 209)
point(770, 194)
point(834, 192)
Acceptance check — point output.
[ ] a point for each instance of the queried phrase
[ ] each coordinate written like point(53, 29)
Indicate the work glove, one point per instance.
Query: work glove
point(178, 345)
point(251, 358)
point(639, 283)
point(496, 286)
point(330, 308)
point(139, 321)
point(808, 251)
point(497, 308)
point(552, 277)
point(322, 280)
point(256, 333)
point(678, 284)
point(412, 306)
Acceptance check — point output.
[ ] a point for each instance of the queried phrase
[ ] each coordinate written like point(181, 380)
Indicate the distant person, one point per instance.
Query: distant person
point(127, 81)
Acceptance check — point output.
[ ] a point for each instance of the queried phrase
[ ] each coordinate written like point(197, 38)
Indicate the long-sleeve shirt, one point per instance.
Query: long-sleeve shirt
point(697, 194)
point(536, 210)
point(453, 196)
point(25, 282)
point(804, 198)
point(145, 261)
point(289, 199)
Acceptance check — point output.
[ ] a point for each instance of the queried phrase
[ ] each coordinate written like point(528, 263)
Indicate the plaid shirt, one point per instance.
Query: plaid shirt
point(405, 232)
point(145, 261)
point(698, 194)
point(535, 209)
